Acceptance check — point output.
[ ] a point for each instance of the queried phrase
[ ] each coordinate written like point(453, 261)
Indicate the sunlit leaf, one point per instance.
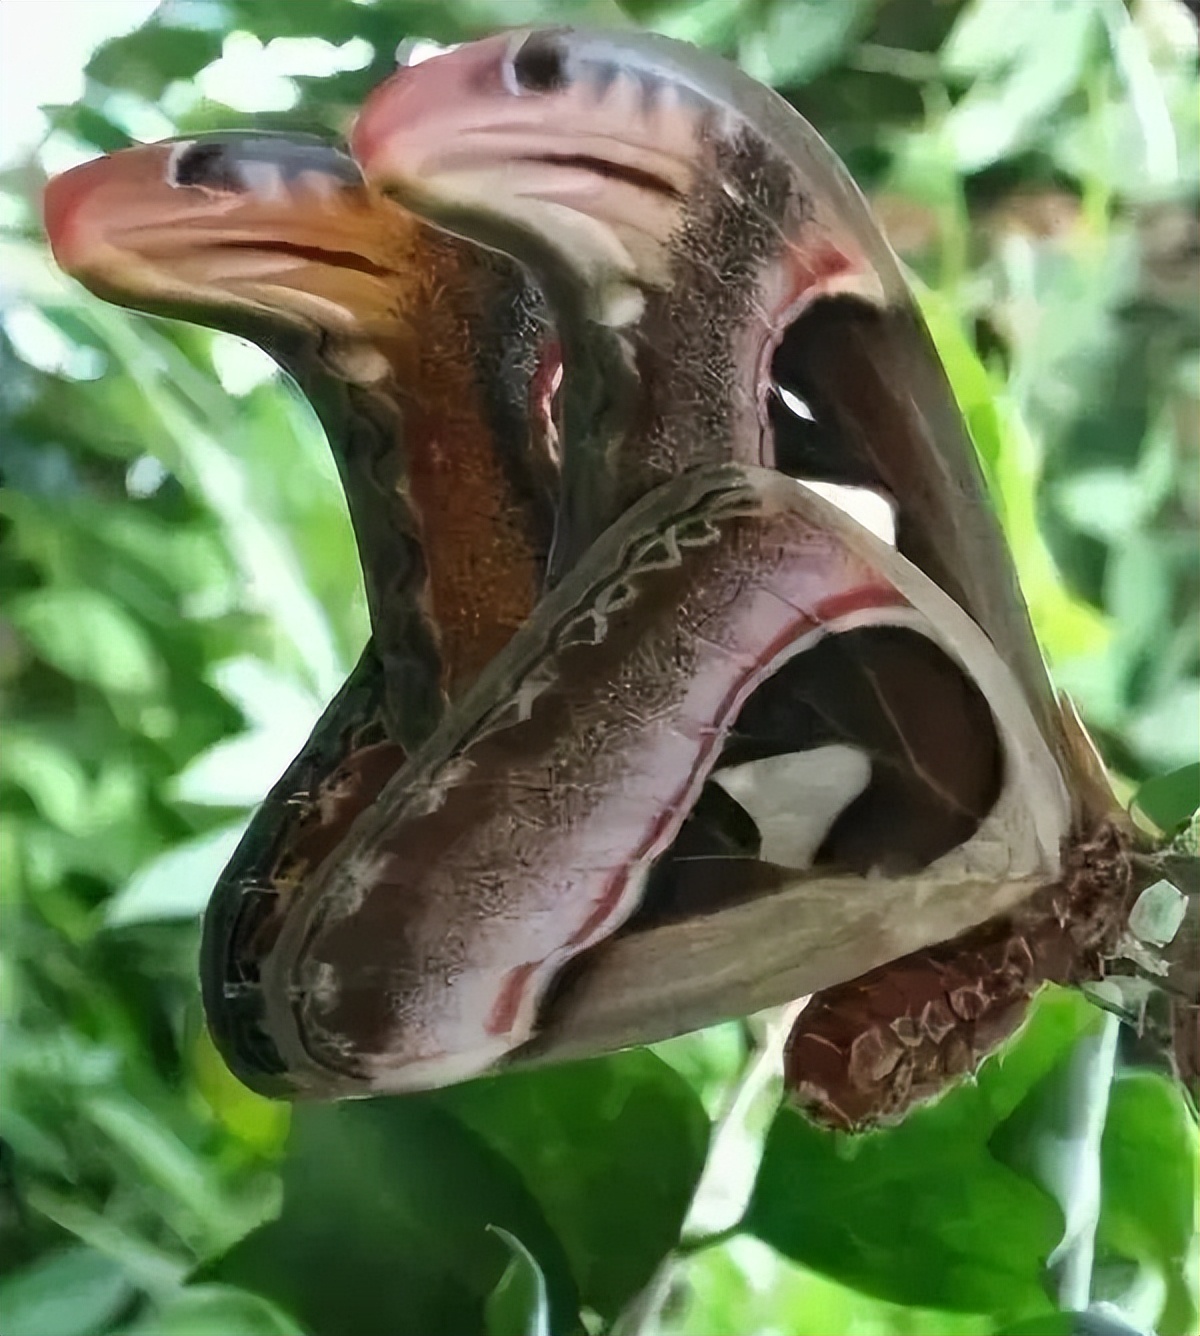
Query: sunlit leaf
point(1053, 1139)
point(1165, 731)
point(1066, 626)
point(259, 1123)
point(797, 39)
point(74, 1292)
point(49, 774)
point(238, 771)
point(177, 883)
point(1028, 68)
point(744, 1286)
point(89, 637)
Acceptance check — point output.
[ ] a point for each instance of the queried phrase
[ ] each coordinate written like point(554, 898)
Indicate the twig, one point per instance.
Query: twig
point(1073, 1174)
point(717, 1203)
point(763, 1062)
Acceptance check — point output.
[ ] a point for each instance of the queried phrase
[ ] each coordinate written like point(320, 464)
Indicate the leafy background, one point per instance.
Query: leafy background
point(179, 597)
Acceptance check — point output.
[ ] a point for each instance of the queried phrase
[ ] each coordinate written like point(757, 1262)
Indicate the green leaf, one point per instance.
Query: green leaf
point(1066, 626)
point(384, 1226)
point(177, 883)
point(1138, 592)
point(712, 23)
point(984, 40)
point(710, 1061)
point(257, 1122)
point(215, 1310)
point(89, 637)
point(744, 1286)
point(50, 775)
point(162, 1158)
point(969, 379)
point(798, 39)
point(1165, 731)
point(143, 1262)
point(924, 1213)
point(1032, 67)
point(1053, 1139)
point(199, 447)
point(148, 59)
point(76, 1292)
point(1102, 502)
point(237, 771)
point(518, 1306)
point(611, 1149)
point(90, 126)
point(1149, 1164)
point(1171, 800)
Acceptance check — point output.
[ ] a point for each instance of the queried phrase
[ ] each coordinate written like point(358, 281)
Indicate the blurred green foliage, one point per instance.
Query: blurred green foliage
point(180, 596)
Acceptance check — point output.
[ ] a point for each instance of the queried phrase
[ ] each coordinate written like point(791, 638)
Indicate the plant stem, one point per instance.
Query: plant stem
point(1074, 1176)
point(762, 1064)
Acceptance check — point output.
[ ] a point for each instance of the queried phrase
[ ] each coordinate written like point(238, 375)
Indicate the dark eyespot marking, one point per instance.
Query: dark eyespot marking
point(813, 401)
point(222, 162)
point(805, 444)
point(210, 166)
point(540, 66)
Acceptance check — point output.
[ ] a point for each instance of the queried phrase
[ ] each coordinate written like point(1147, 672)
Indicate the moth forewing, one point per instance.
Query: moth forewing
point(430, 939)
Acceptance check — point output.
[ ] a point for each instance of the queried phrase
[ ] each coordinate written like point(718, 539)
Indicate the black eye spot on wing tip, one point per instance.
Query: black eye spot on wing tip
point(540, 65)
point(210, 166)
point(231, 162)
